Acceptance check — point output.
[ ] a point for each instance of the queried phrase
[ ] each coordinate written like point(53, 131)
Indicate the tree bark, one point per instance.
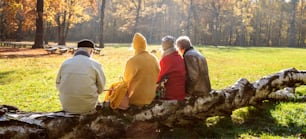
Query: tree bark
point(216, 19)
point(108, 123)
point(101, 38)
point(39, 35)
point(63, 28)
point(138, 8)
point(20, 20)
point(292, 25)
point(189, 14)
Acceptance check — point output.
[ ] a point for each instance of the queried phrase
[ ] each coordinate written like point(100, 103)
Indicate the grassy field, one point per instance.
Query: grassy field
point(29, 84)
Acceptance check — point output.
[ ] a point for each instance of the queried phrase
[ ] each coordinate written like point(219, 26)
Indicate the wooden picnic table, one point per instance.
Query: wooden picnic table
point(51, 49)
point(15, 44)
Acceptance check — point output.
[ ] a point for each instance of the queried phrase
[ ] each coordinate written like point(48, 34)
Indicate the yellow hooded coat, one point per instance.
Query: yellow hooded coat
point(141, 72)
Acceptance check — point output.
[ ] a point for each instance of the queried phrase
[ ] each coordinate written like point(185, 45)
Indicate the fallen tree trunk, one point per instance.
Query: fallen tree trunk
point(107, 123)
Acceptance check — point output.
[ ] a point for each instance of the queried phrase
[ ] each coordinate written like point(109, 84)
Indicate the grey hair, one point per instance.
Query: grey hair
point(184, 42)
point(168, 38)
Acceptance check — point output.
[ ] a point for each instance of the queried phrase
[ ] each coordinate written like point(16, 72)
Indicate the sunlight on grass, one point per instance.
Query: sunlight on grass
point(290, 113)
point(29, 84)
point(32, 80)
point(240, 115)
point(265, 136)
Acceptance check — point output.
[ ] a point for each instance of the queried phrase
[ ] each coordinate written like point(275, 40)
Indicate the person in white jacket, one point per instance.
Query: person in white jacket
point(80, 80)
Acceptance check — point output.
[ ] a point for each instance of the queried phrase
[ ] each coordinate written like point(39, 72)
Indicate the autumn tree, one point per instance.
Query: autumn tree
point(102, 9)
point(70, 13)
point(38, 43)
point(210, 22)
point(17, 16)
point(50, 9)
point(2, 20)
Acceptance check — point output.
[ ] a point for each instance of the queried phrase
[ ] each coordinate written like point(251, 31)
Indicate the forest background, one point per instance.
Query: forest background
point(207, 22)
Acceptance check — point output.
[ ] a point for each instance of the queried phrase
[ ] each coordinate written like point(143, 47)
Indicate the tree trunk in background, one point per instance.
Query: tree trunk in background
point(137, 122)
point(216, 21)
point(256, 26)
point(20, 20)
point(301, 22)
point(48, 32)
point(2, 28)
point(39, 35)
point(242, 30)
point(292, 25)
point(189, 18)
point(280, 26)
point(2, 22)
point(59, 29)
point(138, 8)
point(101, 38)
point(62, 23)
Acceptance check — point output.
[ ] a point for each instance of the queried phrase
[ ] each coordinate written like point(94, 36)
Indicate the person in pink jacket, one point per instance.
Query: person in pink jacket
point(80, 80)
point(173, 68)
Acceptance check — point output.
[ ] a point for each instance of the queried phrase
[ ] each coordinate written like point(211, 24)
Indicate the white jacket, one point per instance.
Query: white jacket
point(80, 80)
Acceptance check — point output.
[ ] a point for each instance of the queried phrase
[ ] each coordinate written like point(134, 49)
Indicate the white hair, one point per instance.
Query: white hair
point(184, 42)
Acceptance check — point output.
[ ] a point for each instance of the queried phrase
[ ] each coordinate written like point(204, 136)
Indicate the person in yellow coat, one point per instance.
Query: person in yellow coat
point(141, 72)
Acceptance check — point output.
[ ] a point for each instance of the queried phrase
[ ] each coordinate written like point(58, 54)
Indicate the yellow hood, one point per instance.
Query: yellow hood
point(139, 43)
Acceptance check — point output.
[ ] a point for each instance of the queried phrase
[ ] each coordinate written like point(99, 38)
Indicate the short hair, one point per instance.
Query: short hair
point(168, 38)
point(168, 42)
point(184, 42)
point(86, 43)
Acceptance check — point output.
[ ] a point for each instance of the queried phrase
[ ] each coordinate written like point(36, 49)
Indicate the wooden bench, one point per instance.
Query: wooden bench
point(51, 50)
point(72, 49)
point(16, 44)
point(62, 49)
point(97, 50)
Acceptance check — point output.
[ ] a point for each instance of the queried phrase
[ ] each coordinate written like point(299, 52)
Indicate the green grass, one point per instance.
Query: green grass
point(29, 84)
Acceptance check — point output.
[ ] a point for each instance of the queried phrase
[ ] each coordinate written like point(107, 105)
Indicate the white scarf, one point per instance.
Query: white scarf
point(168, 51)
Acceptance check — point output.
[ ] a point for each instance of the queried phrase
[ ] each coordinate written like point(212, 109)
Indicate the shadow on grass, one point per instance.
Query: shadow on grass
point(258, 122)
point(4, 77)
point(11, 53)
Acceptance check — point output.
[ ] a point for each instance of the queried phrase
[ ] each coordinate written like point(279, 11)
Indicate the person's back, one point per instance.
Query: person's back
point(141, 73)
point(198, 82)
point(80, 80)
point(201, 84)
point(173, 68)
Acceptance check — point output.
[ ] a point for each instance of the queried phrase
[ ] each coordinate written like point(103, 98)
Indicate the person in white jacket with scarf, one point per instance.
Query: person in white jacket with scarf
point(80, 80)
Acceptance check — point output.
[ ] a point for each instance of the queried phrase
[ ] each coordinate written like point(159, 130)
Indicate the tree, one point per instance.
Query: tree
point(189, 18)
point(51, 7)
point(101, 40)
point(292, 37)
point(301, 18)
point(138, 8)
point(38, 43)
point(242, 10)
point(72, 12)
point(210, 22)
point(117, 124)
point(2, 21)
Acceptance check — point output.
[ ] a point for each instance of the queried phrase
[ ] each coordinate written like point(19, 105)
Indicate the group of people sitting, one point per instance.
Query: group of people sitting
point(81, 79)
